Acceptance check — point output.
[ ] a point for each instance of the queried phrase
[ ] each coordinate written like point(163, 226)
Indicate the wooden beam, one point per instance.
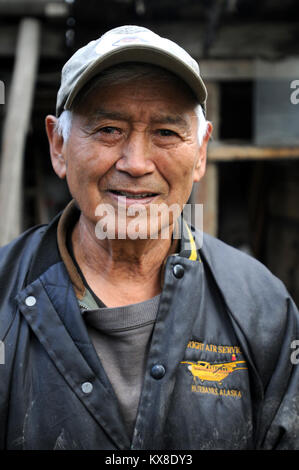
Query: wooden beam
point(221, 152)
point(223, 70)
point(15, 129)
point(249, 69)
point(238, 40)
point(270, 40)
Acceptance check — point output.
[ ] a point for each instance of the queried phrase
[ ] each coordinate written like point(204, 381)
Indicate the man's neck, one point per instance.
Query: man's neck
point(120, 272)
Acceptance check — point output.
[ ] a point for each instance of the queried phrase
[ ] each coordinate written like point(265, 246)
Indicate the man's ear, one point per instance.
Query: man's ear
point(56, 147)
point(200, 167)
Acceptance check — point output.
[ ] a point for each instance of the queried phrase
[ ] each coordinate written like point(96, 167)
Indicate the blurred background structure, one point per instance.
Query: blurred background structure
point(248, 51)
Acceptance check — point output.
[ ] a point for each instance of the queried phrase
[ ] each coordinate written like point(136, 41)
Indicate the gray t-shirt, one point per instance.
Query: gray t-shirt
point(121, 337)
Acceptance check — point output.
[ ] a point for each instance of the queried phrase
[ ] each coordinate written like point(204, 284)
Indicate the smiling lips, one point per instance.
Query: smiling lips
point(131, 197)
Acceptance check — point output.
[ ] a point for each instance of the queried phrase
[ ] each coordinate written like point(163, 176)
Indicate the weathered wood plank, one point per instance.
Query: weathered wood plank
point(249, 69)
point(240, 40)
point(221, 152)
point(15, 129)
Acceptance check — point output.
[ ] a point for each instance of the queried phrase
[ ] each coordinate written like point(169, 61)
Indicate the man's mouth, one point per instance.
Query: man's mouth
point(133, 195)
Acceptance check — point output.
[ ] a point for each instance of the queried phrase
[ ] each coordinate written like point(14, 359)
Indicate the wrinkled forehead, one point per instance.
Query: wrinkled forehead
point(140, 102)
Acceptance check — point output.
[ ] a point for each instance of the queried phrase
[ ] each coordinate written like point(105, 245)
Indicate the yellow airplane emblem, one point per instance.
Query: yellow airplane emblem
point(213, 372)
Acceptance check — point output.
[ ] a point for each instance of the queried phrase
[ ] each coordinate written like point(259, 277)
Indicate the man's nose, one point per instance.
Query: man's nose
point(136, 156)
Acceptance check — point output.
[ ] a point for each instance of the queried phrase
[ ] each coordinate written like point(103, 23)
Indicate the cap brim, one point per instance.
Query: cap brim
point(144, 54)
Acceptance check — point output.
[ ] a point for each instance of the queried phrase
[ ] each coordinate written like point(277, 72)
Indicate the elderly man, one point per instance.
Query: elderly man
point(125, 335)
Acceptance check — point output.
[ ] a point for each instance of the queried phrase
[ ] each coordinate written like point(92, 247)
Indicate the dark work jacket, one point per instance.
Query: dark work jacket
point(224, 336)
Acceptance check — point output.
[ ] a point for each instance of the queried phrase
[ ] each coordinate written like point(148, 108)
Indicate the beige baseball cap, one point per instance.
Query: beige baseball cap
point(127, 44)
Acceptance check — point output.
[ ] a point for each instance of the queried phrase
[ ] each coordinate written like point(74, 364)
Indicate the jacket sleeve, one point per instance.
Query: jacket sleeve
point(279, 417)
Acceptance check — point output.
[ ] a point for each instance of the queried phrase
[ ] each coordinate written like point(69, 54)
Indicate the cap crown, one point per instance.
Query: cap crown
point(135, 42)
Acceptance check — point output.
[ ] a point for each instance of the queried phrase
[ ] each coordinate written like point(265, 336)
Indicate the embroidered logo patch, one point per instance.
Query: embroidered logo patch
point(205, 371)
point(230, 360)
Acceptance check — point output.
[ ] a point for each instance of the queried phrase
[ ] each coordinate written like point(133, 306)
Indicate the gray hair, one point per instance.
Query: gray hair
point(122, 74)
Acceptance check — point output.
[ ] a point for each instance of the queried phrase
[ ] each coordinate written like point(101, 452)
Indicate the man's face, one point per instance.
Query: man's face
point(133, 143)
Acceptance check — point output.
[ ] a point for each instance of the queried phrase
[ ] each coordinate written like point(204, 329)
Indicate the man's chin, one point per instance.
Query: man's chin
point(137, 223)
point(133, 232)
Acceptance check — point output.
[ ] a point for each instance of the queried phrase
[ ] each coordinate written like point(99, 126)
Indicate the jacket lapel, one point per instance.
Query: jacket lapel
point(56, 320)
point(179, 307)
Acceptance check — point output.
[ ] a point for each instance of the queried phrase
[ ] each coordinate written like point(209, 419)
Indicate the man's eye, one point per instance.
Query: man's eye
point(109, 130)
point(166, 133)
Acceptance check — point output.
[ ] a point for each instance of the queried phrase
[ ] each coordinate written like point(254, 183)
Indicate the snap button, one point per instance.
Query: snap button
point(158, 371)
point(30, 301)
point(178, 270)
point(86, 387)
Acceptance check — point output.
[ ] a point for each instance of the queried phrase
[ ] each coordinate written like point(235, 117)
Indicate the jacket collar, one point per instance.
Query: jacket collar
point(46, 254)
point(52, 248)
point(183, 244)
